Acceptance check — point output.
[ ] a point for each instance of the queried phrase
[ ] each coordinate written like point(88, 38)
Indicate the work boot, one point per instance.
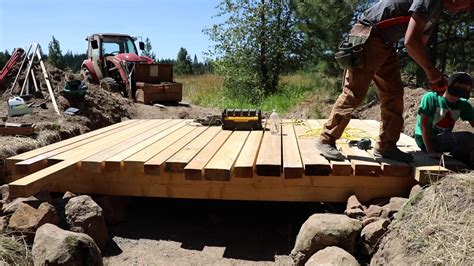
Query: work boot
point(394, 154)
point(329, 151)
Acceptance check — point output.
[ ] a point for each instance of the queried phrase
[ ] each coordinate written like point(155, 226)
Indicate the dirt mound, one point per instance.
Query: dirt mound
point(315, 106)
point(437, 228)
point(97, 109)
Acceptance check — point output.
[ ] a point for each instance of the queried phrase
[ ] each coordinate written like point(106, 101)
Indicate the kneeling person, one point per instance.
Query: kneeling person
point(438, 114)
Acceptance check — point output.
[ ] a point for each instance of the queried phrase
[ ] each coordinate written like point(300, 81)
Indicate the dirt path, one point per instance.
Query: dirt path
point(167, 231)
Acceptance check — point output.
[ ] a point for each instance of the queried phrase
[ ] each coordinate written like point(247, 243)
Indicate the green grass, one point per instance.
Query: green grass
point(207, 90)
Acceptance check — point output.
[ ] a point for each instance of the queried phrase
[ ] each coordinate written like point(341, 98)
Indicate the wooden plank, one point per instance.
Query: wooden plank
point(62, 144)
point(292, 163)
point(245, 164)
point(48, 83)
point(95, 162)
point(133, 160)
point(194, 170)
point(361, 161)
point(33, 183)
point(105, 143)
point(149, 147)
point(313, 162)
point(156, 165)
point(404, 140)
point(408, 144)
point(423, 168)
point(338, 168)
point(220, 166)
point(43, 160)
point(269, 160)
point(178, 161)
point(389, 167)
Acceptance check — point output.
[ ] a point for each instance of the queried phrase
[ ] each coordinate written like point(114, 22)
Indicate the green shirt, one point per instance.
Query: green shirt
point(443, 114)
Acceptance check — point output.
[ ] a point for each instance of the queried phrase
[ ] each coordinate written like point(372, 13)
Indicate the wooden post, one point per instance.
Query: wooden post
point(19, 70)
point(28, 69)
point(48, 84)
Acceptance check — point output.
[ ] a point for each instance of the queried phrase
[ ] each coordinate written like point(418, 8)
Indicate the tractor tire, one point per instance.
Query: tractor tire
point(86, 75)
point(110, 84)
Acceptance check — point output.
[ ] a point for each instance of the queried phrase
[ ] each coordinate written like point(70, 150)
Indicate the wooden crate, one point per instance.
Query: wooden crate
point(153, 73)
point(162, 92)
point(17, 129)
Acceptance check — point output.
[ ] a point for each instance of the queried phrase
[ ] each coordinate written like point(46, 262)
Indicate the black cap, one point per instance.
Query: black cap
point(460, 84)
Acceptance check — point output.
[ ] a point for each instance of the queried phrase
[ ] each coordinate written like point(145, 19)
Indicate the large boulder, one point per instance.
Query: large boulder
point(54, 246)
point(395, 205)
point(83, 215)
point(332, 256)
point(353, 203)
point(27, 218)
point(375, 211)
point(114, 208)
point(371, 234)
point(324, 230)
point(13, 206)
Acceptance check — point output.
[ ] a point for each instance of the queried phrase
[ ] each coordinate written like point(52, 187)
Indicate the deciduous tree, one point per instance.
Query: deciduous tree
point(254, 45)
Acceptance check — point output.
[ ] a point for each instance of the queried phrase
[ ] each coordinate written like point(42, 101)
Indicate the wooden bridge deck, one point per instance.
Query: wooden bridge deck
point(179, 159)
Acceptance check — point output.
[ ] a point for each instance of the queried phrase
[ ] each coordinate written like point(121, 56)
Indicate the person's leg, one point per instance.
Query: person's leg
point(463, 147)
point(356, 84)
point(390, 92)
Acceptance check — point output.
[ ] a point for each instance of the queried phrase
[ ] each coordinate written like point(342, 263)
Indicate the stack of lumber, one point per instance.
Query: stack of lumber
point(179, 159)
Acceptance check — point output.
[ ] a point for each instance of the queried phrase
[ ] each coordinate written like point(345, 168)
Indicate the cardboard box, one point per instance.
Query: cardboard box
point(153, 73)
point(163, 92)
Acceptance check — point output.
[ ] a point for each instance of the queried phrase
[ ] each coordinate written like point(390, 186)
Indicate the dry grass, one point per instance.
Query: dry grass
point(198, 88)
point(14, 251)
point(439, 226)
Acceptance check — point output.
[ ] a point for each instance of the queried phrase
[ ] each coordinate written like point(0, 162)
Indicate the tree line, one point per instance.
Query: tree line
point(182, 65)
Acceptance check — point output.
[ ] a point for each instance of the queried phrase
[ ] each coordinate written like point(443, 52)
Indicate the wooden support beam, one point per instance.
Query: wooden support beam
point(389, 167)
point(35, 160)
point(178, 161)
point(245, 164)
point(292, 163)
point(269, 160)
point(34, 182)
point(314, 163)
point(48, 84)
point(194, 170)
point(132, 160)
point(96, 162)
point(337, 167)
point(361, 161)
point(156, 165)
point(220, 166)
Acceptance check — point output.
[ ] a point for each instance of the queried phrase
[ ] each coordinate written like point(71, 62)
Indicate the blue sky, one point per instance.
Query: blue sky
point(170, 24)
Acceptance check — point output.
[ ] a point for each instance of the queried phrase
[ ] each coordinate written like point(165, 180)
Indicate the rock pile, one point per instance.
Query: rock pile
point(337, 239)
point(83, 234)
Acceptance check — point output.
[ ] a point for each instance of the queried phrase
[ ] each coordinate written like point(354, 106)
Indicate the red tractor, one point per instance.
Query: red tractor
point(113, 62)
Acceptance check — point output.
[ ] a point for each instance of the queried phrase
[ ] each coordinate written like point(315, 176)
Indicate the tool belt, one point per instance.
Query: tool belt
point(351, 51)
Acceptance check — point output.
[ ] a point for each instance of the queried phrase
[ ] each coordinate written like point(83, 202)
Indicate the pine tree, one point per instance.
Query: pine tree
point(55, 56)
point(148, 50)
point(183, 63)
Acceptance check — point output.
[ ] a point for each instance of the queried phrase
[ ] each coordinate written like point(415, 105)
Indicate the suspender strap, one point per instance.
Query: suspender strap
point(393, 21)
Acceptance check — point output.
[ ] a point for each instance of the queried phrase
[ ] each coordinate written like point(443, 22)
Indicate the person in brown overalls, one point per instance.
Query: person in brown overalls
point(387, 22)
